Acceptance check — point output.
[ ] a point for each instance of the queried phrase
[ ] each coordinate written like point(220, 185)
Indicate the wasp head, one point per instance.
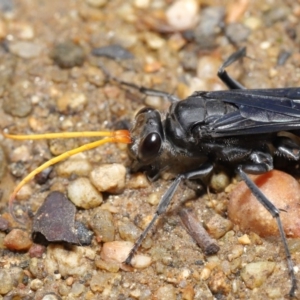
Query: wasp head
point(147, 136)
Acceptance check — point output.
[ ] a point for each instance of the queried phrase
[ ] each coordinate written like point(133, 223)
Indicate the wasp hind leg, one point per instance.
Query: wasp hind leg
point(261, 165)
point(231, 83)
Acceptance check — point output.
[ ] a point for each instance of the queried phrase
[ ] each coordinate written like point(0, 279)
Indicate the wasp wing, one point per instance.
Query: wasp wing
point(259, 111)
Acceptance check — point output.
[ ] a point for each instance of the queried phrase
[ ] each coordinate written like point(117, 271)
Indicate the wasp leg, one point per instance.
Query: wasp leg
point(274, 211)
point(141, 89)
point(288, 148)
point(231, 83)
point(202, 173)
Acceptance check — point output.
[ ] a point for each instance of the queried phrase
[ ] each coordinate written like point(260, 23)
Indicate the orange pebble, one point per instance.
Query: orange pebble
point(280, 188)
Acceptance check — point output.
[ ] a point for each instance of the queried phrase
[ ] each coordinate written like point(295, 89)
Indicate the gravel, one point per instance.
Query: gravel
point(54, 84)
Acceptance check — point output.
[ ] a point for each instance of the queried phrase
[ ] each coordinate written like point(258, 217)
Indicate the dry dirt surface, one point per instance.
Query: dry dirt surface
point(50, 81)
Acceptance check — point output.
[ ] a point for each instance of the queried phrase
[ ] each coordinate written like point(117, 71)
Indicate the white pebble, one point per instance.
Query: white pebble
point(36, 284)
point(96, 3)
point(118, 251)
point(20, 153)
point(68, 262)
point(83, 194)
point(109, 178)
point(153, 40)
point(25, 49)
point(71, 102)
point(183, 14)
point(80, 167)
point(141, 3)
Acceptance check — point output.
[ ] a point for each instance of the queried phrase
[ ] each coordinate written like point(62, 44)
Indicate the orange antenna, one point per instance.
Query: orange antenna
point(119, 136)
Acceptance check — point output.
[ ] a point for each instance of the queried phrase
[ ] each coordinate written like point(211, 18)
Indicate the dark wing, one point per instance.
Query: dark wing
point(259, 111)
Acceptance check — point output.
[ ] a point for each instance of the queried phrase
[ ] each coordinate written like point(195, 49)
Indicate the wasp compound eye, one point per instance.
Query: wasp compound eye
point(149, 147)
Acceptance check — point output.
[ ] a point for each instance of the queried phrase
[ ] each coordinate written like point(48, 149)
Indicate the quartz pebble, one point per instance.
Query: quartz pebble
point(255, 274)
point(118, 251)
point(183, 14)
point(109, 178)
point(68, 261)
point(83, 194)
point(25, 49)
point(280, 188)
point(79, 167)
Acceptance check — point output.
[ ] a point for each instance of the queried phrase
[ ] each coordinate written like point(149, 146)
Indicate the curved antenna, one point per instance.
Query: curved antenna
point(119, 136)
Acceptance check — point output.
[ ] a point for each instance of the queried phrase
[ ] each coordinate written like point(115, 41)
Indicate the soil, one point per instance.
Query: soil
point(51, 82)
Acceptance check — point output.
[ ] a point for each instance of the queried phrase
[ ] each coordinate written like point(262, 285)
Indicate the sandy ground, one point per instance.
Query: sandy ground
point(42, 92)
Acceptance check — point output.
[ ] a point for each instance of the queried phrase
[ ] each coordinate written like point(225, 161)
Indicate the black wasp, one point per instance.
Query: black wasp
point(237, 128)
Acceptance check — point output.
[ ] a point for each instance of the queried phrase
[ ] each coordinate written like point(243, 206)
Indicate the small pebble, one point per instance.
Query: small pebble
point(153, 40)
point(25, 49)
point(51, 297)
point(128, 231)
point(77, 289)
point(68, 261)
point(96, 76)
point(102, 225)
point(37, 250)
point(6, 282)
point(101, 281)
point(138, 181)
point(237, 32)
point(68, 55)
point(211, 20)
point(109, 266)
point(118, 251)
point(183, 14)
point(22, 30)
point(256, 273)
point(36, 284)
point(219, 284)
point(166, 292)
point(113, 51)
point(109, 178)
point(142, 3)
point(217, 226)
point(280, 188)
point(36, 267)
point(236, 251)
point(219, 181)
point(4, 224)
point(17, 239)
point(244, 239)
point(74, 166)
point(63, 289)
point(20, 153)
point(71, 103)
point(16, 104)
point(83, 194)
point(97, 3)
